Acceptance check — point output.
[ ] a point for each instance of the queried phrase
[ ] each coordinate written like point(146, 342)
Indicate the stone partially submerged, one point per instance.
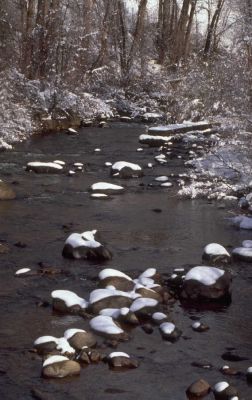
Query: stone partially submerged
point(123, 169)
point(120, 361)
point(84, 245)
point(216, 253)
point(206, 283)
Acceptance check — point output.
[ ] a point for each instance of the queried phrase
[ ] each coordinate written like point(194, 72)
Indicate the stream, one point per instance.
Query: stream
point(49, 207)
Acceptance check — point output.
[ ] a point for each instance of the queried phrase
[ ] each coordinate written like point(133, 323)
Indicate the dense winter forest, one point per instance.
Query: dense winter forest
point(78, 59)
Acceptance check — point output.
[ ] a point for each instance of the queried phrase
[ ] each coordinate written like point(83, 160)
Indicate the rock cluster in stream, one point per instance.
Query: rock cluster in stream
point(120, 303)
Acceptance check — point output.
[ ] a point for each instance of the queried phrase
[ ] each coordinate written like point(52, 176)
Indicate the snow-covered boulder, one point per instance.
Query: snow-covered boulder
point(78, 338)
point(84, 245)
point(6, 192)
point(105, 326)
point(107, 188)
point(206, 283)
point(169, 332)
point(147, 292)
point(68, 302)
point(60, 367)
point(123, 169)
point(118, 279)
point(47, 344)
point(215, 253)
point(119, 360)
point(44, 167)
point(143, 306)
point(108, 298)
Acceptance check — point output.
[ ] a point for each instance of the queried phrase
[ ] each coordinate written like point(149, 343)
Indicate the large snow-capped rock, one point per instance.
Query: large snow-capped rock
point(215, 253)
point(124, 169)
point(108, 298)
point(105, 326)
point(60, 367)
point(66, 301)
point(84, 245)
point(206, 283)
point(118, 279)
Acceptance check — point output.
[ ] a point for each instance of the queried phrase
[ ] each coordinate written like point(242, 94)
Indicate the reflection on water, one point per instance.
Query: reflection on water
point(139, 238)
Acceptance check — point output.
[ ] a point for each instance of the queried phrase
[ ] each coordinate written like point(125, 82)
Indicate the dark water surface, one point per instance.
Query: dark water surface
point(139, 238)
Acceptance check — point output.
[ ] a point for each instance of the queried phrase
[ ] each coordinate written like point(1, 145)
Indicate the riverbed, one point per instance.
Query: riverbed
point(147, 226)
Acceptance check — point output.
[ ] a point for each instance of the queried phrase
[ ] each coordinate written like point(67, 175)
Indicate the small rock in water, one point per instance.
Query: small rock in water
point(169, 332)
point(120, 360)
point(147, 328)
point(198, 389)
point(226, 370)
point(199, 327)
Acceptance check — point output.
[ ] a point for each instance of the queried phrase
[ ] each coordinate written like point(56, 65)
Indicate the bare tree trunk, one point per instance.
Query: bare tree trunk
point(104, 36)
point(138, 32)
point(189, 28)
point(28, 11)
point(123, 36)
point(212, 27)
point(180, 33)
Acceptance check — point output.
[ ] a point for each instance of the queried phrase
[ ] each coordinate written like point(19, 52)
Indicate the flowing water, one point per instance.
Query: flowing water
point(49, 207)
